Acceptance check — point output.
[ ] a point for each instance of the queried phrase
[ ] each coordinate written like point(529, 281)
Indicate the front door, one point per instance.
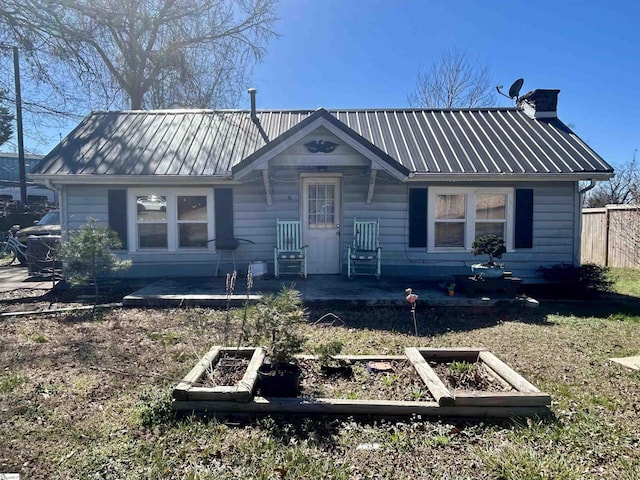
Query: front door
point(321, 223)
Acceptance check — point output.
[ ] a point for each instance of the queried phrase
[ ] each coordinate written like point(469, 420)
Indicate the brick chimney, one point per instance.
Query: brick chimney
point(540, 103)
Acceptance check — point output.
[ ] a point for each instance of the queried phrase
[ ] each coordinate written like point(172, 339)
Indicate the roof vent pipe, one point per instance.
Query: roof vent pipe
point(254, 115)
point(252, 93)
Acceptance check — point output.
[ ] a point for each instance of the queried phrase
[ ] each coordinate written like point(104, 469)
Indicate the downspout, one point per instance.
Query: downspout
point(592, 183)
point(578, 250)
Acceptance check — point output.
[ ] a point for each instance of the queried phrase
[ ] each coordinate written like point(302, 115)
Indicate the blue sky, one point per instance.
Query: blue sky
point(367, 54)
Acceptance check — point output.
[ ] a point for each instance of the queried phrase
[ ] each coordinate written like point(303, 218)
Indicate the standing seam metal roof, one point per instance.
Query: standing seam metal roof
point(211, 143)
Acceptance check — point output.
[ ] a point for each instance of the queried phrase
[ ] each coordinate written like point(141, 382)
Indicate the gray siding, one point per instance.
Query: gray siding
point(84, 202)
point(554, 230)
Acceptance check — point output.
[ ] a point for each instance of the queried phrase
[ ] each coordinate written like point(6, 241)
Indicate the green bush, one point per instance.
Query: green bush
point(86, 255)
point(276, 321)
point(581, 281)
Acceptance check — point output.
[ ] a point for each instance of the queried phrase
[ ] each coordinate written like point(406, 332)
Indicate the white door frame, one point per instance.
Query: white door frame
point(323, 239)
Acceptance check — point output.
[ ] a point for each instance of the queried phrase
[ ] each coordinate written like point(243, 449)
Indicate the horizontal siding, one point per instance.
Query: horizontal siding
point(83, 202)
point(554, 213)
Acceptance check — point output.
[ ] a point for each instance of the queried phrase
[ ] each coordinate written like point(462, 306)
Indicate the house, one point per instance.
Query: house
point(168, 181)
point(10, 178)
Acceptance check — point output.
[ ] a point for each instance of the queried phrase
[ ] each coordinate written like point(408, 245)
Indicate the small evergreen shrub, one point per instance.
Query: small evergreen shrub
point(87, 257)
point(583, 281)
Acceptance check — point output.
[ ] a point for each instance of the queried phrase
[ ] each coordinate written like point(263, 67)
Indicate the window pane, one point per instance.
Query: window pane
point(321, 205)
point(490, 206)
point(151, 208)
point(192, 208)
point(450, 207)
point(193, 235)
point(152, 235)
point(483, 229)
point(449, 234)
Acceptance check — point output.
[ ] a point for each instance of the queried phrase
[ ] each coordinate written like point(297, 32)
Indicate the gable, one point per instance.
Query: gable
point(307, 152)
point(315, 126)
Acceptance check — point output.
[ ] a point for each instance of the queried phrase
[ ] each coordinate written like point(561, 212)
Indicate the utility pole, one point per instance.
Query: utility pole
point(23, 174)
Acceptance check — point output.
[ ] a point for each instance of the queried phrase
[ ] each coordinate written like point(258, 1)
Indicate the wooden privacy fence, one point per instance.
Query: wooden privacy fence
point(611, 236)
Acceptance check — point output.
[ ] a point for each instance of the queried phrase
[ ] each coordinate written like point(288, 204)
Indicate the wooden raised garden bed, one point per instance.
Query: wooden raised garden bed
point(510, 388)
point(429, 394)
point(199, 384)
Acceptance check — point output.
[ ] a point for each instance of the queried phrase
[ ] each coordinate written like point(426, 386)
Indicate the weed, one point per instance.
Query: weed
point(40, 338)
point(154, 408)
point(10, 382)
point(419, 393)
point(390, 379)
point(441, 440)
point(166, 339)
point(462, 367)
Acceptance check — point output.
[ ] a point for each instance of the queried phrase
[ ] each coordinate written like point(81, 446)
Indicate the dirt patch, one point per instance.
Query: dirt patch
point(62, 296)
point(468, 376)
point(229, 370)
point(401, 382)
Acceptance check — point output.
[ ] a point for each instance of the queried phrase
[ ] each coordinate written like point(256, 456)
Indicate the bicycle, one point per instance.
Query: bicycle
point(11, 249)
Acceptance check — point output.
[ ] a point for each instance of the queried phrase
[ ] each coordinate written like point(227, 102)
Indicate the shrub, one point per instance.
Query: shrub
point(276, 320)
point(490, 245)
point(86, 255)
point(579, 281)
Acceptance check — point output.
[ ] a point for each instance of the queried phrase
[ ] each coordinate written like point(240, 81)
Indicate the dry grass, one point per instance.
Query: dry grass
point(89, 398)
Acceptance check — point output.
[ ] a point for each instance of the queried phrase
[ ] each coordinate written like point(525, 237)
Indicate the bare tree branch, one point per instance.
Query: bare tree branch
point(150, 53)
point(453, 81)
point(622, 189)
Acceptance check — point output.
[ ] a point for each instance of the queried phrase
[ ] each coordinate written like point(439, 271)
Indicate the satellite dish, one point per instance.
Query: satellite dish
point(514, 90)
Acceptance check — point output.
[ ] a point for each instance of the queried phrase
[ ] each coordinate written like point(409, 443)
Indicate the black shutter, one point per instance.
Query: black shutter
point(524, 218)
point(417, 217)
point(118, 214)
point(223, 214)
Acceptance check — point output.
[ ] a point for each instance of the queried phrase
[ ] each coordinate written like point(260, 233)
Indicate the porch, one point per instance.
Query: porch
point(315, 290)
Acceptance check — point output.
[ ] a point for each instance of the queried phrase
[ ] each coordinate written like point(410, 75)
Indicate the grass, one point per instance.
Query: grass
point(93, 400)
point(627, 281)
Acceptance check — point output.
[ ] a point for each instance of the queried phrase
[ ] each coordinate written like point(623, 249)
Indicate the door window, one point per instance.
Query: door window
point(321, 205)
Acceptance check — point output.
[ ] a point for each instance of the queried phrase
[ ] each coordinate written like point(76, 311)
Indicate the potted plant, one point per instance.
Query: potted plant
point(275, 322)
point(494, 247)
point(451, 288)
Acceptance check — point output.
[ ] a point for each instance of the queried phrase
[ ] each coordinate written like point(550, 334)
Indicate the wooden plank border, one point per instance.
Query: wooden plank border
point(436, 387)
point(508, 374)
point(524, 395)
point(329, 406)
point(242, 392)
point(525, 400)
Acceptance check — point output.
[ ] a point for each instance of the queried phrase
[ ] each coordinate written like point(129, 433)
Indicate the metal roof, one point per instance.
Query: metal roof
point(211, 143)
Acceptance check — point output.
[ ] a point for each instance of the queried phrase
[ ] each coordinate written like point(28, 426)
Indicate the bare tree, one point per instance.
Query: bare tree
point(139, 53)
point(622, 189)
point(6, 119)
point(454, 80)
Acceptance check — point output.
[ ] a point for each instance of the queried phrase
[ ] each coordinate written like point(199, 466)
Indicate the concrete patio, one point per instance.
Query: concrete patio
point(14, 277)
point(315, 290)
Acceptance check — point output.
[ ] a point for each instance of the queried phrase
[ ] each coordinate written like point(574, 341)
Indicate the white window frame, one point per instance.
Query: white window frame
point(171, 195)
point(470, 220)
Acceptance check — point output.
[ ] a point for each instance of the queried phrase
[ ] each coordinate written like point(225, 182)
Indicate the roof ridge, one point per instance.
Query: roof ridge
point(300, 110)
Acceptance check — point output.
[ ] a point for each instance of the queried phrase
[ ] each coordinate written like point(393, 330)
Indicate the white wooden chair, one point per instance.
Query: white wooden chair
point(289, 251)
point(364, 255)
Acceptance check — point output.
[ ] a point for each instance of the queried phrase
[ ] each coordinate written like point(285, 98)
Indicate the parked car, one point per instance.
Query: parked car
point(49, 224)
point(152, 202)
